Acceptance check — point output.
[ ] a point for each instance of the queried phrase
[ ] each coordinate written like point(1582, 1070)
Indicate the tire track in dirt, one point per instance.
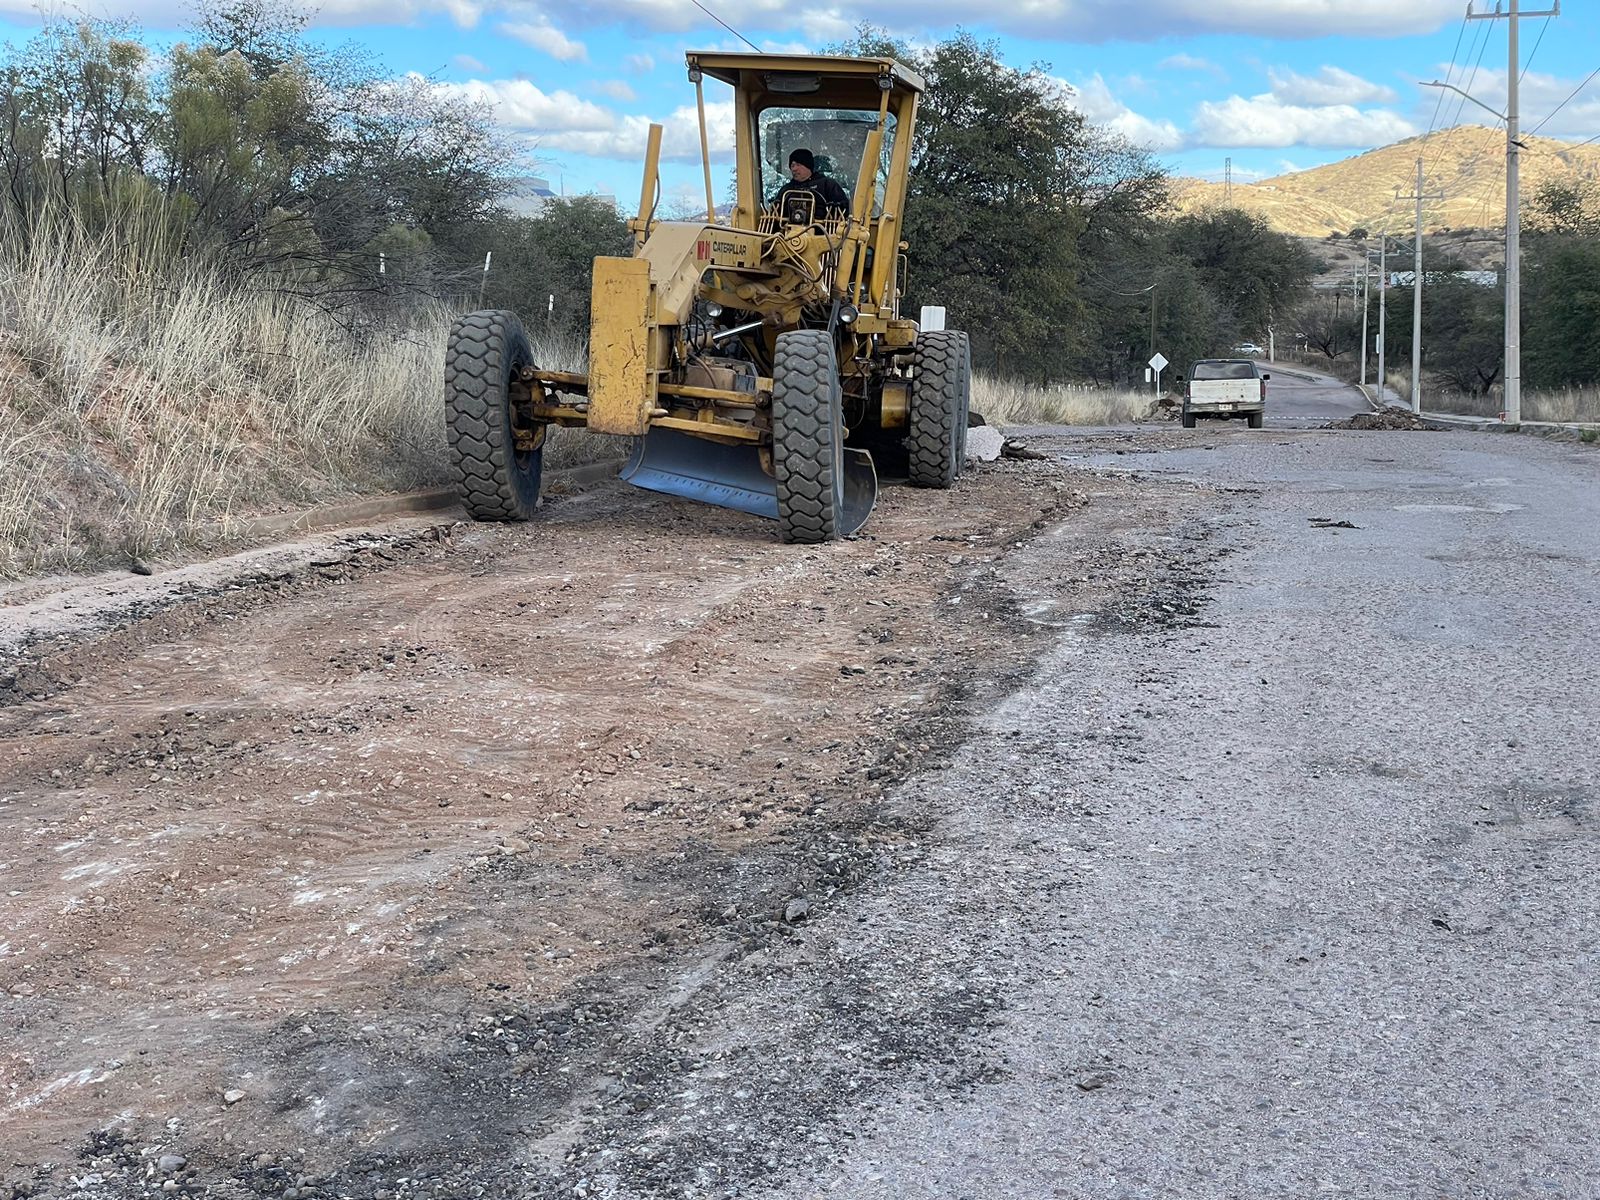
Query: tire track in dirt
point(393, 847)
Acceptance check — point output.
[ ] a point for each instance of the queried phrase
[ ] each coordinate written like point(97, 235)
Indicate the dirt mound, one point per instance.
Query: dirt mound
point(1392, 417)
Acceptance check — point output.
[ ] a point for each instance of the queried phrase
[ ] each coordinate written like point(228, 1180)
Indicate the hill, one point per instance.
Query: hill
point(1467, 163)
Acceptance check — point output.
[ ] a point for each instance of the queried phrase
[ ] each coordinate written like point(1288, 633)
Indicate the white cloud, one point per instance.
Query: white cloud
point(1190, 62)
point(521, 106)
point(1082, 20)
point(1239, 174)
point(639, 64)
point(1330, 85)
point(1093, 20)
point(1268, 122)
point(1540, 97)
point(542, 35)
point(625, 136)
point(179, 14)
point(617, 89)
point(1094, 99)
point(561, 121)
point(465, 62)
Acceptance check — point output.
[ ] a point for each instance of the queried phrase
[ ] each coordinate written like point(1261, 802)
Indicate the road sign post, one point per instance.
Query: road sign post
point(1158, 363)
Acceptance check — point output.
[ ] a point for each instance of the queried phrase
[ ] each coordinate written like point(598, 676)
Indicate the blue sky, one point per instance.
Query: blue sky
point(1275, 85)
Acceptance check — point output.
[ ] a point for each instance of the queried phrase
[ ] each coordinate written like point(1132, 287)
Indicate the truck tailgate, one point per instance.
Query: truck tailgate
point(1224, 391)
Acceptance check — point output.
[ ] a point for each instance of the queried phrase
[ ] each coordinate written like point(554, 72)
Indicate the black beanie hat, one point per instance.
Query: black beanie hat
point(805, 158)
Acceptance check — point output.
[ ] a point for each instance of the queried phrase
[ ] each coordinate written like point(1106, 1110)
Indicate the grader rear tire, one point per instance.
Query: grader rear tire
point(807, 437)
point(497, 481)
point(941, 396)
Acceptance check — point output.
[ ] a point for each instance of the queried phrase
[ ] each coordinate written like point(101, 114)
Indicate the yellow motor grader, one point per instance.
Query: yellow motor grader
point(759, 360)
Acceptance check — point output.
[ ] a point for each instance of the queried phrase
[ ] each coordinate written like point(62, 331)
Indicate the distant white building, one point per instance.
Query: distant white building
point(530, 195)
point(1481, 278)
point(527, 196)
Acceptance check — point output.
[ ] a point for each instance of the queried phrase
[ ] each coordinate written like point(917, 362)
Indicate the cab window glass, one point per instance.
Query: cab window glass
point(1223, 370)
point(836, 136)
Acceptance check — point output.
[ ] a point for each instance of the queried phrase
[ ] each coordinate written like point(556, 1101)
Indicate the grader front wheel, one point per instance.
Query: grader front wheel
point(941, 395)
point(497, 465)
point(807, 437)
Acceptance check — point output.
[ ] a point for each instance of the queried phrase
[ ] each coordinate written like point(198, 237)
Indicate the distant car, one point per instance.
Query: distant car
point(1249, 348)
point(1225, 387)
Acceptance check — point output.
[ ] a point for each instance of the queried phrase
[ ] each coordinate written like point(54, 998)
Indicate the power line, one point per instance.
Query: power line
point(1539, 41)
point(726, 26)
point(1565, 102)
point(1482, 46)
point(1449, 76)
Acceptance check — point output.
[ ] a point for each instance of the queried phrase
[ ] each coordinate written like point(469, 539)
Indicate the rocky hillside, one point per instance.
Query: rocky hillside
point(1467, 163)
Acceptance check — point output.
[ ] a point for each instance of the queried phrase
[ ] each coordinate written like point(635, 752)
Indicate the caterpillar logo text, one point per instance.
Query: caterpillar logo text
point(734, 252)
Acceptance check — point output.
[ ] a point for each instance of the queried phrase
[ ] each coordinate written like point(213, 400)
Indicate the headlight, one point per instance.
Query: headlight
point(713, 310)
point(848, 314)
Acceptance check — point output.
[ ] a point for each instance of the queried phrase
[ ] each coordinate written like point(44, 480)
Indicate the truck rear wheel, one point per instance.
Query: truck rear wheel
point(497, 474)
point(941, 396)
point(807, 436)
point(1187, 418)
point(1256, 420)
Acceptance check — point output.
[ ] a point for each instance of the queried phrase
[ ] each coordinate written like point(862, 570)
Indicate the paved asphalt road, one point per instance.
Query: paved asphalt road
point(1294, 896)
point(1302, 396)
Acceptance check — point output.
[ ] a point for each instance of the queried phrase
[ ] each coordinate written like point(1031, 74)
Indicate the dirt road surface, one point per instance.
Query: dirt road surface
point(1189, 814)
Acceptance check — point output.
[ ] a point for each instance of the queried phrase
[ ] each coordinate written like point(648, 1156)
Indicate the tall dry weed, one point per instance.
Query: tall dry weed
point(142, 397)
point(1007, 402)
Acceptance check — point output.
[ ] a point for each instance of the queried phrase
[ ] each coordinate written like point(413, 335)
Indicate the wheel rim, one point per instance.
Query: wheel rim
point(522, 460)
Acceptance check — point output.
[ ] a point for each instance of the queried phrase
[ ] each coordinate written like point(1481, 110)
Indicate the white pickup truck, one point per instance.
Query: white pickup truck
point(1225, 387)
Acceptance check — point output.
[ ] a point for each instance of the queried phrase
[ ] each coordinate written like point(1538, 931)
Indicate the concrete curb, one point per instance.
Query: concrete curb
point(356, 512)
point(1487, 424)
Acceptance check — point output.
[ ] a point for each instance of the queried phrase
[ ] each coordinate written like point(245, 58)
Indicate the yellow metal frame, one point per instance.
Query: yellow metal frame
point(642, 306)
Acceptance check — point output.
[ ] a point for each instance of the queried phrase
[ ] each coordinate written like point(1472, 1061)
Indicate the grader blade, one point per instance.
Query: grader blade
point(731, 476)
point(860, 491)
point(665, 460)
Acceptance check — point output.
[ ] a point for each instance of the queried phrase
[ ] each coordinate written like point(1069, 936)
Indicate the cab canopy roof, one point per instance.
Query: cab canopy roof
point(801, 75)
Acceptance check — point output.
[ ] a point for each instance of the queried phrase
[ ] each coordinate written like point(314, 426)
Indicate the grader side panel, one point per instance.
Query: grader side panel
point(621, 391)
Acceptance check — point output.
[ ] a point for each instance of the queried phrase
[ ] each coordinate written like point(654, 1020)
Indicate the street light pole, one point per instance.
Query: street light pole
point(1513, 347)
point(1383, 314)
point(1416, 291)
point(1366, 288)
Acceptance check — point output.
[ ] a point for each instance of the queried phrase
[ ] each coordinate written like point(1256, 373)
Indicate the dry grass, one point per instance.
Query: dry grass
point(142, 402)
point(1563, 406)
point(1005, 402)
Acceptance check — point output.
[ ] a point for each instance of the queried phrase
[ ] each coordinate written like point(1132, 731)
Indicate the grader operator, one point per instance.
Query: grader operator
point(759, 358)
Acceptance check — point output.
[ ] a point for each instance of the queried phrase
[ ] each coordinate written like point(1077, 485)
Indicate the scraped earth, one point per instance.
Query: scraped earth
point(468, 863)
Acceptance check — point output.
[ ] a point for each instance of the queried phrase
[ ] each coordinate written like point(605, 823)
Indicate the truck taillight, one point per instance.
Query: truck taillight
point(1263, 391)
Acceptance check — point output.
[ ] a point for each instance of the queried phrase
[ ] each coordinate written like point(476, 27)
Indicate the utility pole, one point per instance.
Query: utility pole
point(1416, 290)
point(1366, 286)
point(1383, 313)
point(1227, 181)
point(1152, 320)
point(1513, 366)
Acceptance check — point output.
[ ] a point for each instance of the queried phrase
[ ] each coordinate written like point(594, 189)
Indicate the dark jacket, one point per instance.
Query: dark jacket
point(831, 199)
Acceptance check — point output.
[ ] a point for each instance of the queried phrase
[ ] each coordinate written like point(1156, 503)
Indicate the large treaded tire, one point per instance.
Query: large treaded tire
point(496, 481)
point(941, 395)
point(807, 436)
